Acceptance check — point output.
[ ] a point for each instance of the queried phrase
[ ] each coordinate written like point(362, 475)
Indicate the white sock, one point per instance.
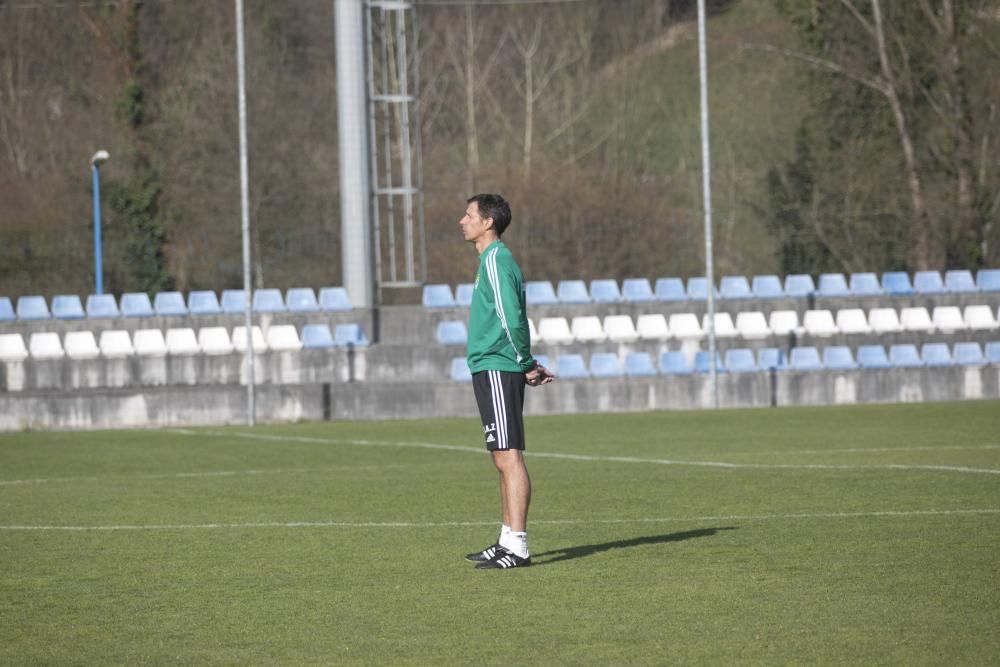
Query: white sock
point(504, 529)
point(516, 543)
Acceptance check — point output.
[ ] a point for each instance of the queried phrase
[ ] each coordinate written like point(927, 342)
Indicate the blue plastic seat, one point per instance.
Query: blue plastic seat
point(438, 296)
point(570, 366)
point(460, 370)
point(839, 357)
point(32, 308)
point(960, 280)
point(993, 352)
point(697, 288)
point(740, 360)
point(572, 291)
point(6, 310)
point(452, 332)
point(734, 287)
point(102, 305)
point(301, 300)
point(350, 334)
point(169, 304)
point(674, 363)
point(670, 289)
point(233, 301)
point(136, 304)
point(799, 285)
point(605, 365)
point(463, 294)
point(605, 291)
point(540, 293)
point(936, 355)
point(67, 307)
point(905, 356)
point(928, 282)
point(637, 290)
point(767, 287)
point(639, 364)
point(769, 358)
point(805, 359)
point(701, 362)
point(833, 284)
point(969, 354)
point(543, 360)
point(865, 284)
point(896, 283)
point(268, 300)
point(317, 336)
point(873, 356)
point(988, 280)
point(204, 302)
point(334, 299)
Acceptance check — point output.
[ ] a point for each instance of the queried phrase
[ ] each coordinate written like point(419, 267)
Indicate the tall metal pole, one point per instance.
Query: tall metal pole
point(98, 251)
point(245, 207)
point(706, 172)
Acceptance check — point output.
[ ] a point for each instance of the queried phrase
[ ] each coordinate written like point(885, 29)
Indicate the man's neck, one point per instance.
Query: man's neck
point(485, 242)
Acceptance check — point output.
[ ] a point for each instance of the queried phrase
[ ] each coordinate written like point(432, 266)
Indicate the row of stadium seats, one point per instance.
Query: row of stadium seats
point(750, 325)
point(640, 364)
point(639, 290)
point(182, 341)
point(199, 302)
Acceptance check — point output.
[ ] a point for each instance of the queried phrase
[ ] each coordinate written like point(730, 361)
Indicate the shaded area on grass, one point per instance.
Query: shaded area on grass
point(569, 553)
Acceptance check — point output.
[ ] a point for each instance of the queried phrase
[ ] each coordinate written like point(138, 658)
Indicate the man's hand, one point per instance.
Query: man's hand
point(539, 375)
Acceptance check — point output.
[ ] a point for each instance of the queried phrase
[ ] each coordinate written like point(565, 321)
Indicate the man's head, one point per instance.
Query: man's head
point(495, 207)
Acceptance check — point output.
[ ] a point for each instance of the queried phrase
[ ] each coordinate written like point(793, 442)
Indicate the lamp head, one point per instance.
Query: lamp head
point(99, 157)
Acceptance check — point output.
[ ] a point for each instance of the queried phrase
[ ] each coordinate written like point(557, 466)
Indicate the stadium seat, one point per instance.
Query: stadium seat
point(896, 283)
point(637, 290)
point(349, 335)
point(969, 354)
point(168, 304)
point(451, 332)
point(916, 319)
point(928, 282)
point(905, 356)
point(540, 293)
point(819, 323)
point(652, 326)
point(865, 284)
point(116, 344)
point(740, 360)
point(833, 284)
point(936, 355)
point(702, 362)
point(771, 358)
point(12, 347)
point(6, 310)
point(873, 356)
point(783, 322)
point(45, 345)
point(734, 287)
point(884, 320)
point(767, 287)
point(751, 325)
point(204, 302)
point(674, 363)
point(67, 307)
point(463, 294)
point(839, 358)
point(268, 300)
point(852, 321)
point(81, 345)
point(149, 343)
point(979, 318)
point(554, 330)
point(988, 280)
point(724, 327)
point(605, 365)
point(102, 305)
point(240, 339)
point(572, 291)
point(136, 304)
point(697, 289)
point(301, 300)
point(588, 329)
point(438, 296)
point(334, 299)
point(799, 285)
point(605, 291)
point(214, 340)
point(805, 359)
point(670, 289)
point(620, 329)
point(958, 281)
point(639, 364)
point(32, 308)
point(947, 319)
point(533, 332)
point(685, 326)
point(542, 360)
point(317, 336)
point(569, 366)
point(233, 301)
point(283, 338)
point(460, 370)
point(992, 352)
point(182, 342)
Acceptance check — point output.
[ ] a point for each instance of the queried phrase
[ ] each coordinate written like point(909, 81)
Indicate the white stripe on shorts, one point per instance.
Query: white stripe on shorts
point(499, 409)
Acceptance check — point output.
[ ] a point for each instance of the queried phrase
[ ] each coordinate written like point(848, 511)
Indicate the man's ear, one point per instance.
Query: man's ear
point(488, 223)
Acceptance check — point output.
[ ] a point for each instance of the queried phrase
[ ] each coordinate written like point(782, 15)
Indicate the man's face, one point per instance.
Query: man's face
point(472, 223)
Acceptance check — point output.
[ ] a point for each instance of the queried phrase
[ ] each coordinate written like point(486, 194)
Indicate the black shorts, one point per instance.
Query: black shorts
point(500, 396)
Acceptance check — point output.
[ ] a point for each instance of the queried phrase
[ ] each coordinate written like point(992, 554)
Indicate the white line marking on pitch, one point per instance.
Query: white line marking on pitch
point(464, 524)
point(862, 450)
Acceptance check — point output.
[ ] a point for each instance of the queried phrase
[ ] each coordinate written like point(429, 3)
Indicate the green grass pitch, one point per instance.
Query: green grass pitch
point(860, 535)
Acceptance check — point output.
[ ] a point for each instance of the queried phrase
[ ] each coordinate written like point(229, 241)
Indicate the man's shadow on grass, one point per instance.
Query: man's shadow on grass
point(556, 555)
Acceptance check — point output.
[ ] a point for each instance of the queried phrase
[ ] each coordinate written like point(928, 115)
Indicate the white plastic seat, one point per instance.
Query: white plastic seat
point(116, 344)
point(652, 326)
point(240, 339)
point(724, 327)
point(685, 326)
point(948, 319)
point(852, 321)
point(150, 342)
point(283, 338)
point(884, 320)
point(620, 329)
point(819, 323)
point(916, 319)
point(81, 345)
point(978, 318)
point(783, 322)
point(182, 341)
point(45, 345)
point(555, 330)
point(533, 332)
point(12, 347)
point(587, 329)
point(214, 340)
point(751, 325)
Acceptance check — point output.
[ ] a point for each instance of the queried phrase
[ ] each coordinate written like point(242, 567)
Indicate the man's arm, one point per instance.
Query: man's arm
point(507, 289)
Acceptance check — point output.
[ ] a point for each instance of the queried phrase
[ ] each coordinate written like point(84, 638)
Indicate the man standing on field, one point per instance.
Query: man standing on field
point(499, 355)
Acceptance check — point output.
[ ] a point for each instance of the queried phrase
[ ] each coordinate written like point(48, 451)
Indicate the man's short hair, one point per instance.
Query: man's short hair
point(493, 206)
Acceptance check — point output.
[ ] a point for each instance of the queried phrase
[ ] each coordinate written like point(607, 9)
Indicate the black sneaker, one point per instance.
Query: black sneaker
point(504, 559)
point(484, 555)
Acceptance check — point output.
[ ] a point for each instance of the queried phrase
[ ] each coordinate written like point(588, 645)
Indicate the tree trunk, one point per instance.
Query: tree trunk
point(472, 141)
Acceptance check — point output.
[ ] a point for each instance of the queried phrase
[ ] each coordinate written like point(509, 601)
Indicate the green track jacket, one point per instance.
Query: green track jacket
point(499, 338)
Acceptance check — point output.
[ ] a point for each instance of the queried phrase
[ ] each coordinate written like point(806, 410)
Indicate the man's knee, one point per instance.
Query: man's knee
point(508, 460)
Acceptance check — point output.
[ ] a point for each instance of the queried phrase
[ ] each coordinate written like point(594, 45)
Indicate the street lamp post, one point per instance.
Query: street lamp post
point(95, 168)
